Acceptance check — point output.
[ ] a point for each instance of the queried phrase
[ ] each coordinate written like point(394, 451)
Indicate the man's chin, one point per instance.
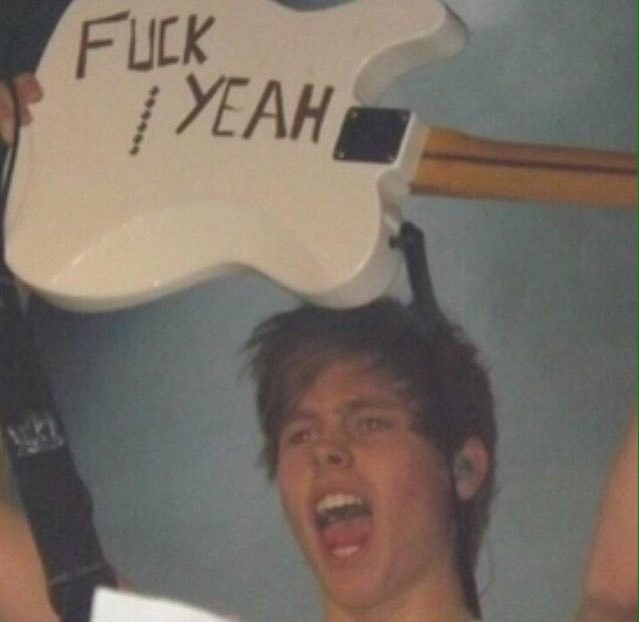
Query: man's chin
point(346, 570)
point(351, 598)
point(356, 592)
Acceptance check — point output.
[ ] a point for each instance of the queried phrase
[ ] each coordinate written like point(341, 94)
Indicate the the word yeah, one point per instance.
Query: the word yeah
point(270, 107)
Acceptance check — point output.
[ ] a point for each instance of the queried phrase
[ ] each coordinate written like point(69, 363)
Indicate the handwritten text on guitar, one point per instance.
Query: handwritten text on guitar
point(312, 102)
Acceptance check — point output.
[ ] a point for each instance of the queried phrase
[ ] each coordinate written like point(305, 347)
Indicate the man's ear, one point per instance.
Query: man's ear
point(470, 466)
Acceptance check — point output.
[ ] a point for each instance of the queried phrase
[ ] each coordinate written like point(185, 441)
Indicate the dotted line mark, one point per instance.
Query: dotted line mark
point(144, 120)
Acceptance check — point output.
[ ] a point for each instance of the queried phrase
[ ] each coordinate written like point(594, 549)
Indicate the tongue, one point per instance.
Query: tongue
point(347, 532)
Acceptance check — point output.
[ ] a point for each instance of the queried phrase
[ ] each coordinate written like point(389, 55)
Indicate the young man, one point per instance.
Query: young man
point(381, 437)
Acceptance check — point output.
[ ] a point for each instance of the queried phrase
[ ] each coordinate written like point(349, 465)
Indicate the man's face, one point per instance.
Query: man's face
point(367, 497)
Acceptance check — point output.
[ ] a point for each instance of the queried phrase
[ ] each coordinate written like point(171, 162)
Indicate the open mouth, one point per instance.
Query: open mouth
point(344, 522)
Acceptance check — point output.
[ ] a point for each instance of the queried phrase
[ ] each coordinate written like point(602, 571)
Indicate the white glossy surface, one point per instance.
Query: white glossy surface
point(92, 227)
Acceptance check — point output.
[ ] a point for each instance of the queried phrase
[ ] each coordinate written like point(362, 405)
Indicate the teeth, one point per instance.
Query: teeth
point(330, 502)
point(345, 551)
point(340, 506)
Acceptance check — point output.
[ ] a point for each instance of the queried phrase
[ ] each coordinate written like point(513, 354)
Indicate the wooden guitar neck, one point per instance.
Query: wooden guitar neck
point(457, 165)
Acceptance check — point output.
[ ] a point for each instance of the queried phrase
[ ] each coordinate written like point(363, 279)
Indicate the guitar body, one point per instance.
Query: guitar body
point(180, 140)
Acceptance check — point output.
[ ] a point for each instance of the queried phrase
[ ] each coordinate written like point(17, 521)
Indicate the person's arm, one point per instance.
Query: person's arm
point(23, 588)
point(610, 590)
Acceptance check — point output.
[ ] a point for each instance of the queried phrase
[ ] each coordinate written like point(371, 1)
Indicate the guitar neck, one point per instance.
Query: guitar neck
point(457, 165)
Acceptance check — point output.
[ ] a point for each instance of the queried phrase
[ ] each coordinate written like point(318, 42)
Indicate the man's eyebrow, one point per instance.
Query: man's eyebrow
point(352, 406)
point(295, 416)
point(370, 403)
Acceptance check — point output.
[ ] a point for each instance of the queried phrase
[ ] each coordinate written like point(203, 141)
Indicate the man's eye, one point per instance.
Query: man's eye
point(373, 424)
point(298, 437)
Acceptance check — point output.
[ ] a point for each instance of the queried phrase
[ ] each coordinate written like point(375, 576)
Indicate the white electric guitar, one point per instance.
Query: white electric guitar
point(179, 139)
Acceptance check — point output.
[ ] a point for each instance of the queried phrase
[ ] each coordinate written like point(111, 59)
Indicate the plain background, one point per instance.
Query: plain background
point(162, 421)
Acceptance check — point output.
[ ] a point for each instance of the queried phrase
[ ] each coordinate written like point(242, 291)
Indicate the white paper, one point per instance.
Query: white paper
point(116, 606)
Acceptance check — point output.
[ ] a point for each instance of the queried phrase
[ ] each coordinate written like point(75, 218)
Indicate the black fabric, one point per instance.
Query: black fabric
point(25, 28)
point(54, 497)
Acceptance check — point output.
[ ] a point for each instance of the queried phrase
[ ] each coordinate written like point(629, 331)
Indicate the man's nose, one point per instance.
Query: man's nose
point(332, 452)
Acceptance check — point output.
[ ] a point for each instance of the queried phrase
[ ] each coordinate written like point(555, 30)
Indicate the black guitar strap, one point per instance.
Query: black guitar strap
point(55, 499)
point(412, 243)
